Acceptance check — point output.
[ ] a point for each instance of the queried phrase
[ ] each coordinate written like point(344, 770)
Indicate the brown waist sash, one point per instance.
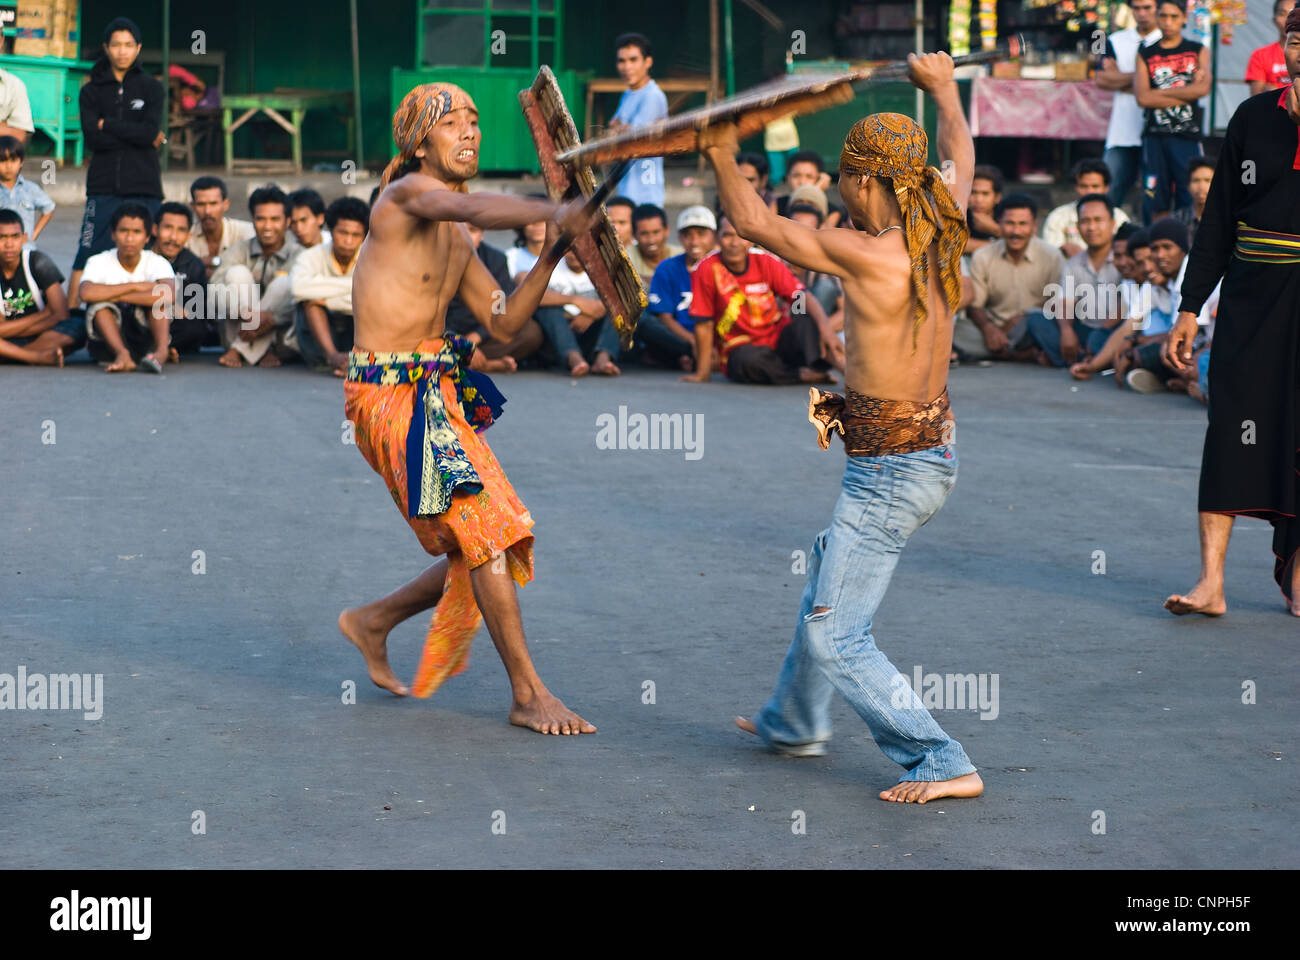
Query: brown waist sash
point(872, 427)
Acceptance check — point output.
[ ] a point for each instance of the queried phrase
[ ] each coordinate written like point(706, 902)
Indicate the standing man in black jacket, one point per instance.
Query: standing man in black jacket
point(121, 118)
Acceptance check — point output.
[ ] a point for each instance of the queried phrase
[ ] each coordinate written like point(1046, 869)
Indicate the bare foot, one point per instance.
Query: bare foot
point(809, 375)
point(231, 358)
point(1080, 371)
point(578, 367)
point(546, 714)
point(1042, 359)
point(1204, 599)
point(123, 364)
point(605, 366)
point(1294, 604)
point(686, 363)
point(46, 358)
point(504, 364)
point(173, 355)
point(268, 361)
point(1194, 391)
point(919, 791)
point(374, 647)
point(747, 725)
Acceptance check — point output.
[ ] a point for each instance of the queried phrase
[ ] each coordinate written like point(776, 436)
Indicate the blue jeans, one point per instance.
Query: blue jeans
point(882, 502)
point(1047, 334)
point(601, 335)
point(660, 342)
point(1164, 174)
point(1125, 163)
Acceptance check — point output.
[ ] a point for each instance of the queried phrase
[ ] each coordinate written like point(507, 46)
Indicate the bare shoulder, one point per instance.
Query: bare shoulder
point(855, 251)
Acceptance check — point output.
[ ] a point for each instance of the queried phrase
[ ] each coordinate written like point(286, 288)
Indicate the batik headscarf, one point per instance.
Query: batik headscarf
point(895, 146)
point(416, 114)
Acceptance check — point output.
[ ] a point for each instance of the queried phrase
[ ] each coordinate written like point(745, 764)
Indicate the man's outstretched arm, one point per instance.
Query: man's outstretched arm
point(491, 211)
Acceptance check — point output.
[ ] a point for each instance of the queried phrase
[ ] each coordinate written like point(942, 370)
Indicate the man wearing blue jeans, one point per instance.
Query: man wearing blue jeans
point(1084, 308)
point(576, 323)
point(901, 271)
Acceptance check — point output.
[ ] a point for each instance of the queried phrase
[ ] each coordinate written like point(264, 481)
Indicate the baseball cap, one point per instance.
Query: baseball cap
point(696, 216)
point(810, 195)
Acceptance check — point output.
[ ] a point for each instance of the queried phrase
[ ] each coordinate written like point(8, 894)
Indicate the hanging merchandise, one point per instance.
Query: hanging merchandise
point(987, 24)
point(959, 28)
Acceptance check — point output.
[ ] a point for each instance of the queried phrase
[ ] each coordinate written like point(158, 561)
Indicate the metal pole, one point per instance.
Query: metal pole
point(731, 48)
point(356, 88)
point(167, 79)
point(713, 50)
point(918, 18)
point(1214, 72)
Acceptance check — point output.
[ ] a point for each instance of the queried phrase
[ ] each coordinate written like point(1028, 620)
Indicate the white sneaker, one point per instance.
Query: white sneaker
point(1144, 381)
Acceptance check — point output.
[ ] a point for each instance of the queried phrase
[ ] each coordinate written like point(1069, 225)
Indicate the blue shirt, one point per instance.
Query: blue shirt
point(670, 290)
point(644, 180)
point(28, 200)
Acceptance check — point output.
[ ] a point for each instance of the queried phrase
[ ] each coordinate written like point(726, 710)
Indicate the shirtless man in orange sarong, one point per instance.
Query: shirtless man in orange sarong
point(416, 406)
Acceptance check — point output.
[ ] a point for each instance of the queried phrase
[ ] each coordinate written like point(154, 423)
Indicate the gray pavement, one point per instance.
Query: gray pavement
point(223, 690)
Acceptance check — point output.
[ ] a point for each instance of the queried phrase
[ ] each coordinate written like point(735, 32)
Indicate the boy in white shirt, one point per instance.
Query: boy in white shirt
point(575, 321)
point(129, 291)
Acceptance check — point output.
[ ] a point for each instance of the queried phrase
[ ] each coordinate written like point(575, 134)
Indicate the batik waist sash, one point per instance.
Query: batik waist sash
point(436, 463)
point(872, 427)
point(1266, 246)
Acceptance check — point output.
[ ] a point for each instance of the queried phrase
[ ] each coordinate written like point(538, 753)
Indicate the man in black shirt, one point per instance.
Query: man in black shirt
point(1170, 78)
point(492, 356)
point(189, 327)
point(121, 118)
point(36, 328)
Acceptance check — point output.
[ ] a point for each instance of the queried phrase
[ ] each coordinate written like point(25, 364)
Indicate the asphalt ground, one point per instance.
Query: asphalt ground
point(1121, 736)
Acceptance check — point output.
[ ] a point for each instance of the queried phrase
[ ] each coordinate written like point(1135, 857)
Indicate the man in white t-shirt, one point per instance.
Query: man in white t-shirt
point(15, 108)
point(129, 291)
point(1124, 135)
point(576, 323)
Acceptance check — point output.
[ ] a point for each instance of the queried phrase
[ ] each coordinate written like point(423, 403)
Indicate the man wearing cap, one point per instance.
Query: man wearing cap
point(901, 267)
point(667, 329)
point(417, 409)
point(1250, 236)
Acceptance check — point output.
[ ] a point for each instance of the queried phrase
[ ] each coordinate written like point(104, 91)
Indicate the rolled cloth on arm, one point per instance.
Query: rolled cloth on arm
point(416, 114)
point(893, 145)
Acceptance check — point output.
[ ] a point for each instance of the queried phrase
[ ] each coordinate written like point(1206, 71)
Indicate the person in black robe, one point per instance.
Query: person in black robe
point(1249, 466)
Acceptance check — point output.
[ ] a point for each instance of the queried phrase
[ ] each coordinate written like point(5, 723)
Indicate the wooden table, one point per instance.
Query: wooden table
point(294, 102)
point(54, 89)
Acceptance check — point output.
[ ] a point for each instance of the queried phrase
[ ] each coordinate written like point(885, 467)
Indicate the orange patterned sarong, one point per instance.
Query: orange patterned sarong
point(478, 528)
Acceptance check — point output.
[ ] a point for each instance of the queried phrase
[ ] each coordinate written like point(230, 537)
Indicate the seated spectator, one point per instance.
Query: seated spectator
point(492, 356)
point(1266, 69)
point(574, 320)
point(321, 281)
point(807, 169)
point(252, 281)
point(666, 328)
point(1144, 310)
point(1127, 239)
point(1011, 280)
point(1200, 174)
point(650, 227)
point(190, 328)
point(307, 218)
point(985, 194)
point(529, 241)
point(15, 108)
point(758, 339)
point(213, 231)
point(808, 206)
point(129, 292)
point(1085, 308)
point(35, 328)
point(19, 194)
point(1141, 366)
point(1061, 228)
point(620, 215)
point(754, 168)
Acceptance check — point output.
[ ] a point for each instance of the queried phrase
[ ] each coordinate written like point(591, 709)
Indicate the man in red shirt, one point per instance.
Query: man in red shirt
point(1267, 67)
point(734, 300)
